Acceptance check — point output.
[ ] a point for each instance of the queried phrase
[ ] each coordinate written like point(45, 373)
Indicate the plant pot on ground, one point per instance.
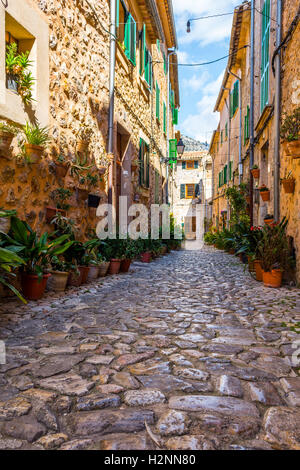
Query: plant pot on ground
point(146, 257)
point(35, 140)
point(59, 275)
point(75, 278)
point(7, 133)
point(258, 270)
point(93, 273)
point(33, 287)
point(125, 265)
point(114, 266)
point(273, 278)
point(103, 268)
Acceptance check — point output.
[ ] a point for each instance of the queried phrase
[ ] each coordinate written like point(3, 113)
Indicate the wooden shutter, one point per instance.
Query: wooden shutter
point(196, 164)
point(165, 118)
point(133, 41)
point(141, 158)
point(230, 171)
point(182, 191)
point(197, 189)
point(190, 165)
point(265, 61)
point(173, 150)
point(184, 165)
point(157, 101)
point(175, 116)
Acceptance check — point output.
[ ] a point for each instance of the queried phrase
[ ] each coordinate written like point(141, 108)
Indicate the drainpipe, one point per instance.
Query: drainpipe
point(240, 134)
point(170, 53)
point(277, 117)
point(228, 156)
point(112, 65)
point(252, 54)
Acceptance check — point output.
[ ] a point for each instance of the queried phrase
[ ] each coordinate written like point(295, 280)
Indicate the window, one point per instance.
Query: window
point(157, 102)
point(145, 58)
point(158, 45)
point(265, 61)
point(190, 165)
point(126, 32)
point(189, 191)
point(234, 99)
point(246, 126)
point(165, 118)
point(225, 173)
point(175, 116)
point(144, 164)
point(148, 68)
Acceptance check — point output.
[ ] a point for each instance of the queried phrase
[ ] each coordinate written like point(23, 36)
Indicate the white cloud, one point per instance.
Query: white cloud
point(183, 57)
point(195, 83)
point(202, 124)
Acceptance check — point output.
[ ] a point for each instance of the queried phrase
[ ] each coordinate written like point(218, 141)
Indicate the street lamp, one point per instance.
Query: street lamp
point(180, 147)
point(188, 27)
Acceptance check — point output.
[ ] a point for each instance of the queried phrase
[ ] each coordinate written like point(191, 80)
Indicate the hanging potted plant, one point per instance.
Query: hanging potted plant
point(34, 142)
point(264, 193)
point(255, 172)
point(60, 196)
point(37, 253)
point(83, 138)
point(7, 133)
point(290, 133)
point(288, 183)
point(61, 166)
point(59, 275)
point(269, 219)
point(79, 168)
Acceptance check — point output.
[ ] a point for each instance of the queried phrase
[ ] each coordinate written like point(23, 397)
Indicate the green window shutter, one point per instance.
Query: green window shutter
point(182, 191)
point(219, 179)
point(221, 137)
point(265, 61)
point(225, 174)
point(197, 190)
point(245, 129)
point(196, 164)
point(147, 166)
point(117, 13)
point(175, 116)
point(173, 150)
point(158, 45)
point(230, 171)
point(130, 39)
point(127, 35)
point(141, 158)
point(248, 121)
point(165, 118)
point(157, 102)
point(226, 130)
point(156, 196)
point(143, 52)
point(165, 63)
point(184, 165)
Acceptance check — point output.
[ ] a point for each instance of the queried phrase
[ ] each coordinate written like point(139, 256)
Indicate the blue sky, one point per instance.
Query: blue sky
point(199, 86)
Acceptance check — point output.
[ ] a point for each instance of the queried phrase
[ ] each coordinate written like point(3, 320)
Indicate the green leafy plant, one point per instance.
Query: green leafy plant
point(273, 248)
point(79, 167)
point(91, 179)
point(263, 188)
point(17, 65)
point(237, 199)
point(60, 196)
point(9, 261)
point(8, 128)
point(34, 134)
point(290, 129)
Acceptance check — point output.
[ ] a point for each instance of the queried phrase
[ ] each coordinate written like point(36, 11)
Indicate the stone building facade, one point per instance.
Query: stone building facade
point(69, 44)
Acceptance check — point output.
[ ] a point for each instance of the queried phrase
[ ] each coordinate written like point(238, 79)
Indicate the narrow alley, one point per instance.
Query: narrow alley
point(186, 353)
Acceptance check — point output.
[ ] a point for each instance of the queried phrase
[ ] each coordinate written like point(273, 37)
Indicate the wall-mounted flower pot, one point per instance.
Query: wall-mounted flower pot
point(58, 281)
point(85, 273)
point(146, 257)
point(61, 169)
point(82, 194)
point(258, 270)
point(82, 146)
point(51, 212)
point(114, 266)
point(294, 148)
point(32, 288)
point(273, 278)
point(93, 200)
point(75, 278)
point(103, 268)
point(5, 141)
point(102, 170)
point(265, 195)
point(34, 152)
point(255, 173)
point(125, 265)
point(288, 185)
point(93, 273)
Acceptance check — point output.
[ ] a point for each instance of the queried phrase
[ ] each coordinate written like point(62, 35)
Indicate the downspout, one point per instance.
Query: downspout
point(112, 65)
point(251, 159)
point(240, 134)
point(168, 124)
point(277, 117)
point(228, 156)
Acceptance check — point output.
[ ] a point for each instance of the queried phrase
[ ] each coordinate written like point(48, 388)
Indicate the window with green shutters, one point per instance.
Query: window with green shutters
point(246, 126)
point(165, 63)
point(184, 165)
point(175, 116)
point(130, 38)
point(265, 60)
point(172, 151)
point(144, 164)
point(226, 130)
point(165, 118)
point(234, 99)
point(157, 102)
point(157, 187)
point(221, 137)
point(225, 174)
point(230, 171)
point(189, 191)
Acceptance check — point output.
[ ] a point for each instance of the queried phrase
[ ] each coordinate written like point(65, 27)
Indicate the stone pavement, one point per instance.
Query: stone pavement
point(188, 352)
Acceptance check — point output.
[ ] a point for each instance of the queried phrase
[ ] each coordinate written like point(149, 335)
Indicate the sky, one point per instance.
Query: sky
point(199, 86)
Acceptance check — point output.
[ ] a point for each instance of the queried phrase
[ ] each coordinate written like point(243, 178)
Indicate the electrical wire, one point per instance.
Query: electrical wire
point(231, 13)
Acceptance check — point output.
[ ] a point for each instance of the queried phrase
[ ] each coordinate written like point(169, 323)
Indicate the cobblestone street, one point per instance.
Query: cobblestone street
point(190, 345)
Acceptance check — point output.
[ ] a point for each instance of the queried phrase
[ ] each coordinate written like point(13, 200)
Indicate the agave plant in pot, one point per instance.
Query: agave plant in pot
point(34, 142)
point(61, 166)
point(37, 252)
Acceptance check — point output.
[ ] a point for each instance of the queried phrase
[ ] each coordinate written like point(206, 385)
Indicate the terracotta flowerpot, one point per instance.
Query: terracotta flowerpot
point(164, 249)
point(103, 268)
point(93, 273)
point(85, 273)
point(255, 173)
point(58, 281)
point(125, 265)
point(265, 195)
point(258, 270)
point(82, 146)
point(34, 152)
point(288, 185)
point(294, 148)
point(269, 221)
point(273, 278)
point(75, 279)
point(146, 257)
point(114, 266)
point(31, 287)
point(61, 169)
point(5, 141)
point(51, 213)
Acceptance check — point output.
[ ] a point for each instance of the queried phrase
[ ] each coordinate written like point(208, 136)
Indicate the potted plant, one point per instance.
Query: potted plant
point(264, 193)
point(75, 275)
point(18, 75)
point(290, 133)
point(83, 138)
point(35, 139)
point(5, 217)
point(37, 252)
point(129, 253)
point(273, 250)
point(269, 219)
point(255, 171)
point(61, 166)
point(103, 265)
point(59, 275)
point(288, 183)
point(113, 252)
point(60, 196)
point(10, 262)
point(7, 133)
